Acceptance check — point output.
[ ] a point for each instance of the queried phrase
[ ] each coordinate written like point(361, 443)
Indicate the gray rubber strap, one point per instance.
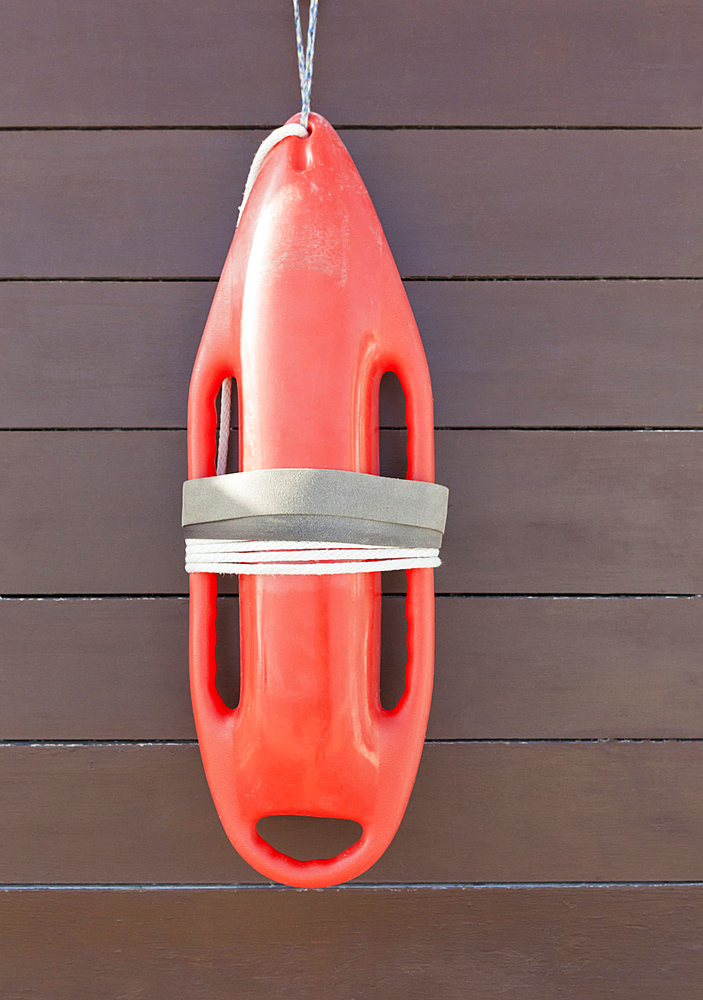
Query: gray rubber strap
point(320, 528)
point(315, 502)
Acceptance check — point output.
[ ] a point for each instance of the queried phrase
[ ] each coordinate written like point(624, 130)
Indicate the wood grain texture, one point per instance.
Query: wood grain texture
point(566, 943)
point(479, 812)
point(604, 512)
point(107, 354)
point(504, 62)
point(484, 203)
point(505, 668)
point(506, 353)
point(610, 692)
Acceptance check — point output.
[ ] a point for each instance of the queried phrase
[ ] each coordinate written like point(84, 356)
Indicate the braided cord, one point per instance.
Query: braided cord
point(305, 56)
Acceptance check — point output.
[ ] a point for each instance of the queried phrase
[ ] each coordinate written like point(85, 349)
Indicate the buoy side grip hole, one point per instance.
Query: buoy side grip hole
point(228, 677)
point(228, 443)
point(309, 838)
point(393, 461)
point(393, 442)
point(394, 646)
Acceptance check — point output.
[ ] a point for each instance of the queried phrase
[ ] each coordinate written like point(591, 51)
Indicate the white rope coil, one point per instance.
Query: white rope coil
point(212, 555)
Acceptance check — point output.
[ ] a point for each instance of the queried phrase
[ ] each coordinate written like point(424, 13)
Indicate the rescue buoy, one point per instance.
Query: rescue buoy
point(309, 313)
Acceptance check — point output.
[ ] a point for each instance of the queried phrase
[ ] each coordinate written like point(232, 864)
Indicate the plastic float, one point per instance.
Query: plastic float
point(309, 313)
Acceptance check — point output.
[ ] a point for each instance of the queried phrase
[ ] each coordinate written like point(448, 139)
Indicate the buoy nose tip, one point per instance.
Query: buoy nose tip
point(315, 121)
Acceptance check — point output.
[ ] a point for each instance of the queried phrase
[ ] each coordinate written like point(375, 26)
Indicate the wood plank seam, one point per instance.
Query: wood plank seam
point(238, 887)
point(444, 595)
point(449, 741)
point(487, 278)
point(410, 278)
point(341, 127)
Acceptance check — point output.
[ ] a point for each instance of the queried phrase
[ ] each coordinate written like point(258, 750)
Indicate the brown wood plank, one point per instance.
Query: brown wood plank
point(549, 943)
point(563, 353)
point(480, 812)
point(107, 354)
point(487, 203)
point(610, 512)
point(506, 353)
point(505, 668)
point(565, 668)
point(503, 62)
point(95, 669)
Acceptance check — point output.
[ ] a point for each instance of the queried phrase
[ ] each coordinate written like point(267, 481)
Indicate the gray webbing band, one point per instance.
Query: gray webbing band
point(315, 505)
point(319, 528)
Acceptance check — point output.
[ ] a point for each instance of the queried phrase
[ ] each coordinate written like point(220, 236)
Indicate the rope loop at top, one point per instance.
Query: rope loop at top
point(305, 57)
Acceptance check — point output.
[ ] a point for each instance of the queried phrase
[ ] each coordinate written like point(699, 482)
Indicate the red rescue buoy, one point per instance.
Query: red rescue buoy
point(309, 313)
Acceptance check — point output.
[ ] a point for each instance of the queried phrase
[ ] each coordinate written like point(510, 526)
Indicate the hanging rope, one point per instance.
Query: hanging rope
point(223, 438)
point(306, 57)
point(305, 60)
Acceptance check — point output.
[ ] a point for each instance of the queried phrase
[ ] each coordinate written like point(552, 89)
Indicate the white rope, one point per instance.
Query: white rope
point(309, 553)
point(262, 152)
point(211, 555)
point(315, 569)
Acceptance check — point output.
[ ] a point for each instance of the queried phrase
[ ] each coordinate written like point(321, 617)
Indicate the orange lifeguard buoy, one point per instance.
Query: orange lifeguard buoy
point(309, 313)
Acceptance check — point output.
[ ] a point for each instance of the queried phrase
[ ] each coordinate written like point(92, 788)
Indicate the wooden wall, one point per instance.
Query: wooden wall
point(537, 168)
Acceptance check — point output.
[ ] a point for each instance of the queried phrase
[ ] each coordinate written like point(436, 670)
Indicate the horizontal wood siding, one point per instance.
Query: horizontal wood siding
point(537, 169)
point(629, 943)
point(504, 62)
point(98, 512)
point(571, 203)
point(501, 353)
point(604, 811)
point(530, 668)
